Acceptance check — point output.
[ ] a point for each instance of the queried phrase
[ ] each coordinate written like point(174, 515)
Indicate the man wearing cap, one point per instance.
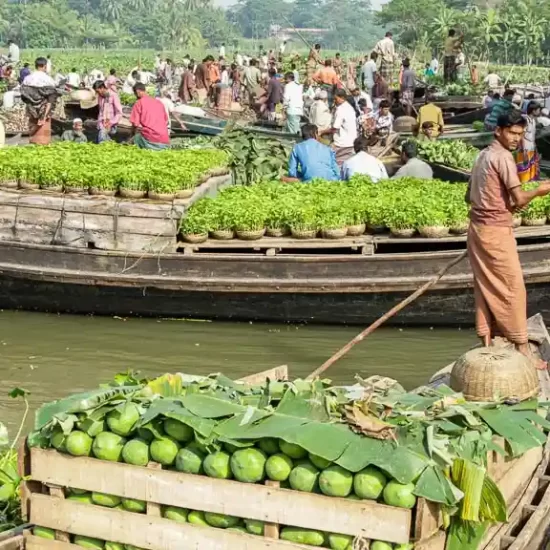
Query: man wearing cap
point(75, 134)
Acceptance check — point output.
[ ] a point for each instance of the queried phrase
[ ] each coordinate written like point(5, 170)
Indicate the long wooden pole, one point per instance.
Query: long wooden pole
point(396, 309)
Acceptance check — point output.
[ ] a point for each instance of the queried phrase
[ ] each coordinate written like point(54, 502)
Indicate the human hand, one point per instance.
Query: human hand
point(544, 187)
point(183, 126)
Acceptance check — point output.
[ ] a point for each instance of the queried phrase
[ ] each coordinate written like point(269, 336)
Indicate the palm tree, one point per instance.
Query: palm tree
point(110, 10)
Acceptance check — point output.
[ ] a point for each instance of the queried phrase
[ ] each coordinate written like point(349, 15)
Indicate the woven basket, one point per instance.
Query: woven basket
point(184, 193)
point(195, 238)
point(102, 192)
point(338, 233)
point(494, 374)
point(356, 230)
point(460, 229)
point(161, 196)
point(276, 231)
point(533, 222)
point(13, 184)
point(516, 222)
point(52, 188)
point(71, 189)
point(433, 231)
point(132, 193)
point(28, 185)
point(222, 234)
point(376, 228)
point(253, 235)
point(402, 233)
point(303, 233)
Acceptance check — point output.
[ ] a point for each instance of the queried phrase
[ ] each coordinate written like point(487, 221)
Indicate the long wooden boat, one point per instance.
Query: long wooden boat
point(352, 280)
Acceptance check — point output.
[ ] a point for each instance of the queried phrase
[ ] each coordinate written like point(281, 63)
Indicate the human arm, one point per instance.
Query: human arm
point(293, 164)
point(522, 198)
point(334, 164)
point(383, 171)
point(440, 121)
point(135, 118)
point(117, 110)
point(179, 120)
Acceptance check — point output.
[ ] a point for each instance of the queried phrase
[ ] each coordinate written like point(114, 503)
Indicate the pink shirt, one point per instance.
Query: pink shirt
point(150, 116)
point(110, 109)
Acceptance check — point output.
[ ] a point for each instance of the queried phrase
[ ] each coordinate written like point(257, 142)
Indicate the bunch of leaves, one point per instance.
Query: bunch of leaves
point(453, 153)
point(252, 217)
point(538, 207)
point(198, 221)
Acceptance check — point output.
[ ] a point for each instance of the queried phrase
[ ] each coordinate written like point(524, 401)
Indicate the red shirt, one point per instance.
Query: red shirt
point(150, 115)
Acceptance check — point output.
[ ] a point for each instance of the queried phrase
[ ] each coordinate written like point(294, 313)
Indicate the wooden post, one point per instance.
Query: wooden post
point(58, 492)
point(153, 508)
point(271, 530)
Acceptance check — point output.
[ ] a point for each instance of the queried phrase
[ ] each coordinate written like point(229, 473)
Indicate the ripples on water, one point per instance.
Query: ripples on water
point(52, 356)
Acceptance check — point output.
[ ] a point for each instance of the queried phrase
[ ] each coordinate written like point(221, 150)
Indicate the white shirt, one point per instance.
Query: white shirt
point(73, 79)
point(128, 86)
point(265, 61)
point(345, 122)
point(434, 65)
point(8, 100)
point(222, 51)
point(368, 71)
point(224, 77)
point(363, 163)
point(282, 48)
point(544, 121)
point(492, 80)
point(39, 79)
point(169, 107)
point(366, 97)
point(293, 99)
point(385, 121)
point(320, 115)
point(239, 60)
point(460, 59)
point(49, 66)
point(157, 62)
point(13, 52)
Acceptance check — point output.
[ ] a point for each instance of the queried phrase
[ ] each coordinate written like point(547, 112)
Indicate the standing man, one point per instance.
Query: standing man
point(274, 94)
point(187, 91)
point(202, 79)
point(453, 46)
point(110, 111)
point(494, 194)
point(39, 94)
point(368, 73)
point(434, 65)
point(344, 127)
point(337, 64)
point(49, 64)
point(252, 79)
point(293, 103)
point(73, 78)
point(408, 85)
point(327, 78)
point(385, 49)
point(282, 50)
point(222, 50)
point(474, 75)
point(24, 72)
point(13, 52)
point(149, 121)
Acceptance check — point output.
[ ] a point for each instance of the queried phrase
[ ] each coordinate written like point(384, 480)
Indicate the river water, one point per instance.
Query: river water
point(52, 356)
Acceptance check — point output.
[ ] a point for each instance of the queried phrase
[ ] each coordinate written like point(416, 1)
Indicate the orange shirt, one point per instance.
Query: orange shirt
point(326, 75)
point(214, 73)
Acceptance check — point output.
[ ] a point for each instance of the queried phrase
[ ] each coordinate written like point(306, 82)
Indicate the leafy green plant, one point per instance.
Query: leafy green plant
point(537, 208)
point(452, 153)
point(250, 218)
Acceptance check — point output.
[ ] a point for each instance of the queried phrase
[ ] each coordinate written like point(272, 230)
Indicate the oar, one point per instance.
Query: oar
point(396, 309)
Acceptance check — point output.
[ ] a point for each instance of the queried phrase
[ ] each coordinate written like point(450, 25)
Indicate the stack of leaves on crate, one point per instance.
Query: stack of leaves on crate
point(369, 441)
point(322, 206)
point(108, 167)
point(453, 153)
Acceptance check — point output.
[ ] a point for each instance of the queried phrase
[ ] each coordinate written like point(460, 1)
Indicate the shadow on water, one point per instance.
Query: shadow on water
point(52, 356)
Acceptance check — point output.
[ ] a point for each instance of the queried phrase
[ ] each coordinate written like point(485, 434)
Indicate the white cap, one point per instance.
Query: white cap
point(77, 121)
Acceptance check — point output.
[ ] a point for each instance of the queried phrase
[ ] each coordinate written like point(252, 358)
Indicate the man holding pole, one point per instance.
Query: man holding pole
point(494, 194)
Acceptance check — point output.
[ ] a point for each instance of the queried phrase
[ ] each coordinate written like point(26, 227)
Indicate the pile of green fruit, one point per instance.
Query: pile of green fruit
point(378, 443)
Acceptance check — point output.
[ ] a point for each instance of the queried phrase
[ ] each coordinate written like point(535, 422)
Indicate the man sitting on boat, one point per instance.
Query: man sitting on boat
point(75, 134)
point(311, 159)
point(364, 163)
point(149, 121)
point(413, 167)
point(500, 107)
point(494, 193)
point(431, 113)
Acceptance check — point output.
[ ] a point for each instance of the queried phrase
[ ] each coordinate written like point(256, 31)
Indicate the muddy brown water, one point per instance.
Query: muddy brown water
point(52, 356)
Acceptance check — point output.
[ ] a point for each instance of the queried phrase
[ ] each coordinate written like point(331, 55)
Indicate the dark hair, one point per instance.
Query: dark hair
point(340, 93)
point(73, 70)
point(293, 66)
point(209, 58)
point(452, 32)
point(338, 54)
point(512, 118)
point(531, 96)
point(289, 76)
point(168, 60)
point(111, 72)
point(509, 93)
point(98, 85)
point(389, 34)
point(253, 62)
point(533, 106)
point(374, 56)
point(361, 144)
point(496, 95)
point(427, 125)
point(406, 63)
point(233, 66)
point(135, 74)
point(272, 72)
point(328, 62)
point(139, 86)
point(26, 65)
point(362, 103)
point(410, 149)
point(491, 93)
point(40, 62)
point(384, 104)
point(317, 46)
point(309, 131)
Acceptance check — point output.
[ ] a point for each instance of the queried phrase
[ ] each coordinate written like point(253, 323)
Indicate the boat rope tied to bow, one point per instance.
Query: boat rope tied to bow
point(388, 315)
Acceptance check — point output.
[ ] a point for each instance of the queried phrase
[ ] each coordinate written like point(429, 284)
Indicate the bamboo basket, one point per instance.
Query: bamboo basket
point(184, 193)
point(303, 233)
point(132, 193)
point(533, 222)
point(195, 238)
point(28, 185)
point(376, 228)
point(52, 188)
point(276, 231)
point(489, 374)
point(161, 196)
point(338, 233)
point(250, 235)
point(402, 233)
point(72, 189)
point(460, 229)
point(433, 231)
point(12, 184)
point(516, 222)
point(223, 234)
point(356, 230)
point(96, 191)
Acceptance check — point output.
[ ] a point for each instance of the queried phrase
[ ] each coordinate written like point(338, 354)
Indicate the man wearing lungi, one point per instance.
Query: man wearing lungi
point(385, 49)
point(494, 194)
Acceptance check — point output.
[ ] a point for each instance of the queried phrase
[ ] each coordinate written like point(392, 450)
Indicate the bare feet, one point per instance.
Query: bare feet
point(538, 363)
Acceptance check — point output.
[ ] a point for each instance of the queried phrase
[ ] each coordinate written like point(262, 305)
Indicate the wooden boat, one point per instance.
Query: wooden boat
point(352, 280)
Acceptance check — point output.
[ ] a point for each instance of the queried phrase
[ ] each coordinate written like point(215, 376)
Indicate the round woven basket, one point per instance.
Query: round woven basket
point(433, 231)
point(161, 196)
point(460, 229)
point(338, 233)
point(250, 235)
point(195, 238)
point(402, 233)
point(52, 188)
point(184, 193)
point(222, 234)
point(376, 228)
point(532, 222)
point(71, 189)
point(404, 124)
point(356, 230)
point(12, 184)
point(494, 374)
point(516, 221)
point(102, 192)
point(132, 193)
point(303, 233)
point(28, 185)
point(276, 231)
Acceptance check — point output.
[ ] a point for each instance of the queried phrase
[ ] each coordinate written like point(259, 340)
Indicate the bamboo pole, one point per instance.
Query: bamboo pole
point(396, 309)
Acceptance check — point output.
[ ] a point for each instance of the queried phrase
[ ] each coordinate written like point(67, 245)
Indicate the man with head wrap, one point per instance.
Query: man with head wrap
point(320, 113)
point(75, 134)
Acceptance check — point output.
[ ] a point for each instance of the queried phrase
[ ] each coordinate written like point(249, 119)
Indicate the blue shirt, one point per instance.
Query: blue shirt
point(311, 159)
